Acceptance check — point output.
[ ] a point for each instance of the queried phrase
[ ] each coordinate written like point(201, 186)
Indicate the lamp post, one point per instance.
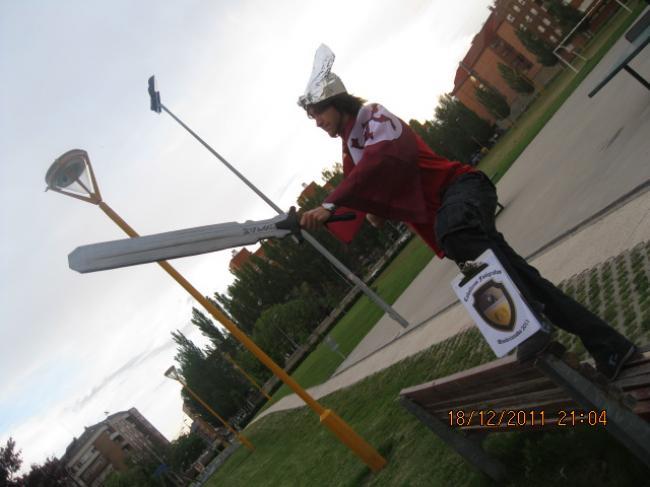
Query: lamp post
point(245, 374)
point(72, 175)
point(172, 373)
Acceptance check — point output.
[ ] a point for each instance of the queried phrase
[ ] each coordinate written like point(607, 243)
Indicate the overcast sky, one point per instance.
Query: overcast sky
point(74, 75)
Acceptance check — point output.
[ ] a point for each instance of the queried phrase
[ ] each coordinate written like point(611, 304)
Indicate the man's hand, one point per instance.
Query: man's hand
point(313, 219)
point(375, 221)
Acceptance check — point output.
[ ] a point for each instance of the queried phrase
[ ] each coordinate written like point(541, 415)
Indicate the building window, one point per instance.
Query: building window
point(510, 18)
point(529, 18)
point(541, 28)
point(516, 8)
point(546, 22)
point(533, 11)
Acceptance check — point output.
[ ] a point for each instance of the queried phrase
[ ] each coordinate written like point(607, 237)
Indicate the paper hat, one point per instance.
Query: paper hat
point(322, 83)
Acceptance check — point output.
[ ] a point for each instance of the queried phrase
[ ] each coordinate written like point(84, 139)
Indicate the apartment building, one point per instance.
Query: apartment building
point(497, 43)
point(103, 448)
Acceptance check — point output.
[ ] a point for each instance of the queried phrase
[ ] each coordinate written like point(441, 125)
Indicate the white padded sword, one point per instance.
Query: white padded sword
point(183, 243)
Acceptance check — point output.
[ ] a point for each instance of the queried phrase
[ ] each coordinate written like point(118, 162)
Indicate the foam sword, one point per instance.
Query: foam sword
point(183, 243)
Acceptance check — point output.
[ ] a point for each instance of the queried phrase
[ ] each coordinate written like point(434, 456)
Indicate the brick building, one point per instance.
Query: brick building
point(204, 429)
point(104, 447)
point(497, 42)
point(308, 192)
point(242, 257)
point(239, 259)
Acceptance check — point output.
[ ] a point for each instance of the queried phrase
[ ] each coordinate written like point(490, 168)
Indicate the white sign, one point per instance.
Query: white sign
point(496, 305)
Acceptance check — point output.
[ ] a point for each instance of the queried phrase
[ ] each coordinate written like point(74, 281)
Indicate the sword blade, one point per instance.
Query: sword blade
point(171, 245)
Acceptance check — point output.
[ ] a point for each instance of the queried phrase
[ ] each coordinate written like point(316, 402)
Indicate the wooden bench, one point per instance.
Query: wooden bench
point(639, 37)
point(540, 394)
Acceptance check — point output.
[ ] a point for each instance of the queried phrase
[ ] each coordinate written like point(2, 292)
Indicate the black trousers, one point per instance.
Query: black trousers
point(465, 228)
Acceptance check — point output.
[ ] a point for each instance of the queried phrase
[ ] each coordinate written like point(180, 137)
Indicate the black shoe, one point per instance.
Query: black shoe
point(534, 345)
point(611, 365)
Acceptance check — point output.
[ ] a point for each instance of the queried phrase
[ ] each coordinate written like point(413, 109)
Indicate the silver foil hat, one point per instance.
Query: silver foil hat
point(322, 84)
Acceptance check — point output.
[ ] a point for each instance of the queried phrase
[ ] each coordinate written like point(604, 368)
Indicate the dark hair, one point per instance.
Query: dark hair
point(343, 103)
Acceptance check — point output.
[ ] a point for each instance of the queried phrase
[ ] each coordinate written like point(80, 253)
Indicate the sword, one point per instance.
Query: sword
point(182, 243)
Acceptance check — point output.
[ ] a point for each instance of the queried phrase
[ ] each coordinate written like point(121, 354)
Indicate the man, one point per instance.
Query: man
point(390, 173)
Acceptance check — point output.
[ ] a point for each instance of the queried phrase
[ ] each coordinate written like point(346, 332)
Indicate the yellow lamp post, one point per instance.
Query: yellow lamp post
point(172, 373)
point(245, 374)
point(72, 175)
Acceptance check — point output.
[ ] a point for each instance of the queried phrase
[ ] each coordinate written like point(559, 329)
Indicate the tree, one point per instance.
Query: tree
point(284, 272)
point(212, 378)
point(565, 14)
point(460, 129)
point(10, 462)
point(433, 134)
point(140, 474)
point(538, 47)
point(221, 342)
point(51, 473)
point(456, 132)
point(185, 450)
point(516, 80)
point(288, 267)
point(494, 101)
point(283, 324)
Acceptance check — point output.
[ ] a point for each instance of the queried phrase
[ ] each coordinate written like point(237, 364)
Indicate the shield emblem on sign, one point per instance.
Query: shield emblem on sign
point(495, 305)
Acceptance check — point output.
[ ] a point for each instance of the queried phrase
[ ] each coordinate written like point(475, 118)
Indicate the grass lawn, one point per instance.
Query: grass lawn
point(293, 449)
point(361, 317)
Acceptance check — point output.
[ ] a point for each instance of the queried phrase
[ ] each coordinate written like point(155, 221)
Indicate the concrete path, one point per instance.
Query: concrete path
point(587, 157)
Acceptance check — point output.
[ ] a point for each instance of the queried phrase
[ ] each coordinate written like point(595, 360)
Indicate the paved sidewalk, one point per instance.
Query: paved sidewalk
point(610, 235)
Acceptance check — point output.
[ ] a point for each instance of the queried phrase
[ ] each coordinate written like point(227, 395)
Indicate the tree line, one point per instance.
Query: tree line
point(277, 298)
point(139, 472)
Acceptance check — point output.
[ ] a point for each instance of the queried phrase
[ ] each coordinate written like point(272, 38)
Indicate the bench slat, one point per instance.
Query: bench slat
point(467, 376)
point(529, 387)
point(550, 404)
point(486, 381)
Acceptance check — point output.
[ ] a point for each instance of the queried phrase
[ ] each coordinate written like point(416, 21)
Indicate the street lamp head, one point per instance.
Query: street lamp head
point(172, 373)
point(71, 174)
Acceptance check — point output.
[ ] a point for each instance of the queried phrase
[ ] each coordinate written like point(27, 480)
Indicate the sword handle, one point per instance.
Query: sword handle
point(343, 217)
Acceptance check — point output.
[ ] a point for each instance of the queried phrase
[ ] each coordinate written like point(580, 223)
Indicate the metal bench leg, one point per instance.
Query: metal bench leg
point(637, 76)
point(622, 423)
point(468, 449)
